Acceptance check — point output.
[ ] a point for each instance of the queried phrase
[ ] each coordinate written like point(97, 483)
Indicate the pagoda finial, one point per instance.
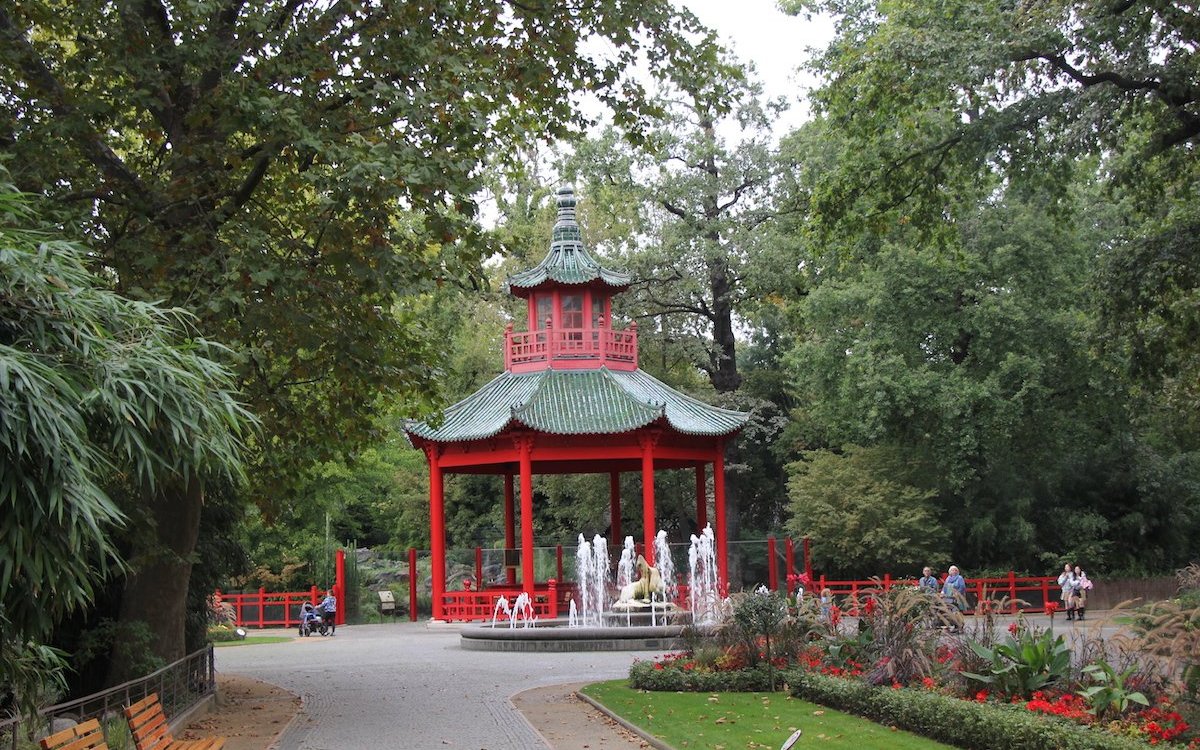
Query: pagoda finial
point(566, 228)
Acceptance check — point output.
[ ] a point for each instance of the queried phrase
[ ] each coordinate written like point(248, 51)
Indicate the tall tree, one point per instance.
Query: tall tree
point(92, 386)
point(292, 171)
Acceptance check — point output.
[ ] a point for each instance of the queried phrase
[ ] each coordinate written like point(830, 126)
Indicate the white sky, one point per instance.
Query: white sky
point(777, 43)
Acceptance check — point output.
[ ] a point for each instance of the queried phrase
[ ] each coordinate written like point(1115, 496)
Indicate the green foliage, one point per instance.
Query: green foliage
point(31, 674)
point(1022, 663)
point(645, 675)
point(986, 726)
point(745, 720)
point(759, 615)
point(861, 513)
point(222, 633)
point(100, 391)
point(1111, 695)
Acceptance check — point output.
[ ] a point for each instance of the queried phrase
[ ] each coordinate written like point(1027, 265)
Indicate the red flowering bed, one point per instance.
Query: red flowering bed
point(898, 669)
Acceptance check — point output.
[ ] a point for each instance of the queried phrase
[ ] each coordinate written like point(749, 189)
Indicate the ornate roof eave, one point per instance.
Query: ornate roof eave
point(576, 402)
point(568, 261)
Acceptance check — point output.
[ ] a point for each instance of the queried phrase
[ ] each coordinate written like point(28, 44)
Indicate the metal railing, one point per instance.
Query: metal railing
point(179, 685)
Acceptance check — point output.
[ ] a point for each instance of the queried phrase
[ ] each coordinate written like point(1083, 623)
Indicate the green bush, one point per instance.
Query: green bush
point(980, 726)
point(646, 675)
point(219, 633)
point(1023, 663)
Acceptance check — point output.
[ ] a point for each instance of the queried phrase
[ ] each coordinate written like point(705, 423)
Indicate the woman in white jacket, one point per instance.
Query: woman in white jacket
point(1070, 587)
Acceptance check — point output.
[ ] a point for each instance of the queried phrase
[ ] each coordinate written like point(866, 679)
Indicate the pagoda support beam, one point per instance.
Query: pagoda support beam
point(525, 449)
point(719, 512)
point(701, 498)
point(437, 530)
point(647, 441)
point(614, 506)
point(510, 525)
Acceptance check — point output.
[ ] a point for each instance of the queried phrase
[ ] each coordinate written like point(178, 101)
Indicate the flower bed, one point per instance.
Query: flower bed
point(907, 662)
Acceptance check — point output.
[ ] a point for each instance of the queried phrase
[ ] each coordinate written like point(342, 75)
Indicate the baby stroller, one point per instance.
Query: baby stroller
point(311, 621)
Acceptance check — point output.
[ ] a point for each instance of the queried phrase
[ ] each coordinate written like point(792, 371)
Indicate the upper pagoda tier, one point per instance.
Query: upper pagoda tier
point(569, 296)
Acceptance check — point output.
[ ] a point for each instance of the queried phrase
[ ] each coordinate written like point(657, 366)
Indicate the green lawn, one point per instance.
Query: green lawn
point(732, 721)
point(254, 639)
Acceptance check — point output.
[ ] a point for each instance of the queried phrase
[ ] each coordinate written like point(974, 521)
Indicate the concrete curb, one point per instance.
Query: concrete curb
point(654, 741)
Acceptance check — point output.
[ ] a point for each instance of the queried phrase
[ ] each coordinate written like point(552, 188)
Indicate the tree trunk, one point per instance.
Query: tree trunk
point(724, 374)
point(156, 589)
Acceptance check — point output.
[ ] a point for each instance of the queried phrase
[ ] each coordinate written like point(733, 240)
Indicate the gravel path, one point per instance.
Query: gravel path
point(410, 685)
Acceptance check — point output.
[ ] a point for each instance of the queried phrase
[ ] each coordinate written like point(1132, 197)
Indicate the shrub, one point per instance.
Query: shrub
point(668, 676)
point(985, 726)
point(1025, 661)
point(219, 633)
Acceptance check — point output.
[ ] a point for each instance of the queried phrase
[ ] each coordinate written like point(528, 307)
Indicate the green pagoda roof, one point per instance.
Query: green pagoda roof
point(568, 261)
point(577, 402)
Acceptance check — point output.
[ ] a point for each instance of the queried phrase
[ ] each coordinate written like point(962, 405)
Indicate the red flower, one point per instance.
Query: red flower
point(1051, 608)
point(981, 696)
point(1014, 628)
point(835, 615)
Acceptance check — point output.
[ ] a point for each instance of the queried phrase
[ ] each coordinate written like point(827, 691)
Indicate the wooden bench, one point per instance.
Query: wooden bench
point(150, 730)
point(85, 736)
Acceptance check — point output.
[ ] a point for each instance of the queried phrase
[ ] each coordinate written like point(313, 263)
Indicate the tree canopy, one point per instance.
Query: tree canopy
point(93, 386)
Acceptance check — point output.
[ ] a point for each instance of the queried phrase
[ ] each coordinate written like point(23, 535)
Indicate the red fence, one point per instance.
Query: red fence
point(481, 605)
point(263, 609)
point(1009, 594)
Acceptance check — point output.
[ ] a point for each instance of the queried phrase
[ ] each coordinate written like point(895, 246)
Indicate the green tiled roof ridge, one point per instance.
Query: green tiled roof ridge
point(577, 402)
point(568, 260)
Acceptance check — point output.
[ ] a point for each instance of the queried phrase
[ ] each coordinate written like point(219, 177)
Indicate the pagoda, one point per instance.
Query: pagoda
point(571, 400)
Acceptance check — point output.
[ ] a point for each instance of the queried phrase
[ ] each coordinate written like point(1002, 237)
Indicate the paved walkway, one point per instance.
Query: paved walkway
point(410, 685)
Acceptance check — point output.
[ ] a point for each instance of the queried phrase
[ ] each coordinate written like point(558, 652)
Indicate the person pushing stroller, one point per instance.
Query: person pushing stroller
point(328, 609)
point(311, 620)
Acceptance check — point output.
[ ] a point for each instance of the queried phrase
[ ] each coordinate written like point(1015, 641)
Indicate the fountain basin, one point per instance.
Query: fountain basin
point(555, 636)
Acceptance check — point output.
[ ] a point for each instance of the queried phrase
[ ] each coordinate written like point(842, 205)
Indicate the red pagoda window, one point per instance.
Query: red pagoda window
point(572, 311)
point(544, 302)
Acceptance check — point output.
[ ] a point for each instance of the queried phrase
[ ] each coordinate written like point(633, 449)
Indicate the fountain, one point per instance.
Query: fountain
point(591, 569)
point(703, 594)
point(642, 616)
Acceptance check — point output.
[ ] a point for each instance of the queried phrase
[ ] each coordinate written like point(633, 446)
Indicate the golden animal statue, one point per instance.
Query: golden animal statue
point(649, 582)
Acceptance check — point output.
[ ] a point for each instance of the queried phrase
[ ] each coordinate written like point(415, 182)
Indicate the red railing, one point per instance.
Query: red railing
point(474, 605)
point(568, 348)
point(264, 609)
point(1017, 593)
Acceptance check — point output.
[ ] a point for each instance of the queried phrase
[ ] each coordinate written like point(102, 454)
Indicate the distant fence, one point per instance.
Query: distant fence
point(179, 685)
point(1015, 593)
point(266, 609)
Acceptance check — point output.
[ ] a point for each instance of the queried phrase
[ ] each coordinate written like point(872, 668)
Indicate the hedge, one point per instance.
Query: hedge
point(965, 724)
point(643, 675)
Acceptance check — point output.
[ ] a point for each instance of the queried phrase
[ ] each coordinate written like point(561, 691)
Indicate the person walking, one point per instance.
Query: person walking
point(1083, 585)
point(328, 609)
point(927, 582)
point(954, 591)
point(1068, 582)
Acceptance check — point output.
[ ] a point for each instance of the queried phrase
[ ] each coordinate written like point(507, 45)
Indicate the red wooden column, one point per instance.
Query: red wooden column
point(701, 499)
point(510, 525)
point(437, 529)
point(719, 512)
point(647, 440)
point(339, 586)
point(614, 506)
point(525, 448)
